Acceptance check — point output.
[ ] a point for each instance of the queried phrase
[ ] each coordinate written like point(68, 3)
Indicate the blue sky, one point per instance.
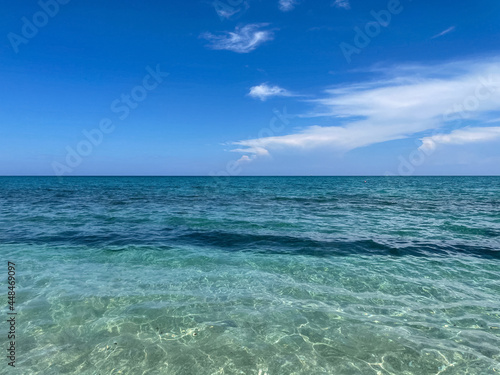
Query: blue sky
point(248, 87)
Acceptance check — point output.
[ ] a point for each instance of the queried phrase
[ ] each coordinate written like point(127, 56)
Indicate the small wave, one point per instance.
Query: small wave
point(254, 242)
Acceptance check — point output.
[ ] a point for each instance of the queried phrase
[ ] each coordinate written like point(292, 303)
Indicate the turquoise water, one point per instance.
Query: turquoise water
point(254, 275)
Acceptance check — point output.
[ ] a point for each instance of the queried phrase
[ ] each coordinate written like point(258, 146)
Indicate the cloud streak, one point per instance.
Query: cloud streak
point(460, 137)
point(342, 4)
point(242, 40)
point(227, 11)
point(448, 30)
point(264, 92)
point(413, 100)
point(287, 5)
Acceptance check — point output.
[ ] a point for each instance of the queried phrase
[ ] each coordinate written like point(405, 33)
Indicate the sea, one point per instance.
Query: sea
point(251, 275)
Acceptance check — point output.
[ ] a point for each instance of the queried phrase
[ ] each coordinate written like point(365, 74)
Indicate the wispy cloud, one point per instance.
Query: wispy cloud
point(264, 91)
point(342, 4)
point(227, 11)
point(242, 40)
point(448, 30)
point(287, 5)
point(246, 159)
point(461, 137)
point(251, 148)
point(414, 100)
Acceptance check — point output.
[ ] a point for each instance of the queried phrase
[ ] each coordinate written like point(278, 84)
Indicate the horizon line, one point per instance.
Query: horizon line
point(208, 176)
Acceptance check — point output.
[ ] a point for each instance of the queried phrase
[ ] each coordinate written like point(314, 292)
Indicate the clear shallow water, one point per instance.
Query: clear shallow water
point(248, 275)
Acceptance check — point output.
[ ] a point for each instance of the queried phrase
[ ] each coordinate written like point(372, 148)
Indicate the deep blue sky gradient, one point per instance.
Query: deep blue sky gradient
point(64, 80)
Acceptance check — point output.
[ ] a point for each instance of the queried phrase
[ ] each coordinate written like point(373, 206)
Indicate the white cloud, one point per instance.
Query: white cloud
point(246, 159)
point(287, 5)
point(342, 4)
point(415, 99)
point(448, 30)
point(264, 91)
point(243, 40)
point(460, 137)
point(227, 11)
point(255, 150)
